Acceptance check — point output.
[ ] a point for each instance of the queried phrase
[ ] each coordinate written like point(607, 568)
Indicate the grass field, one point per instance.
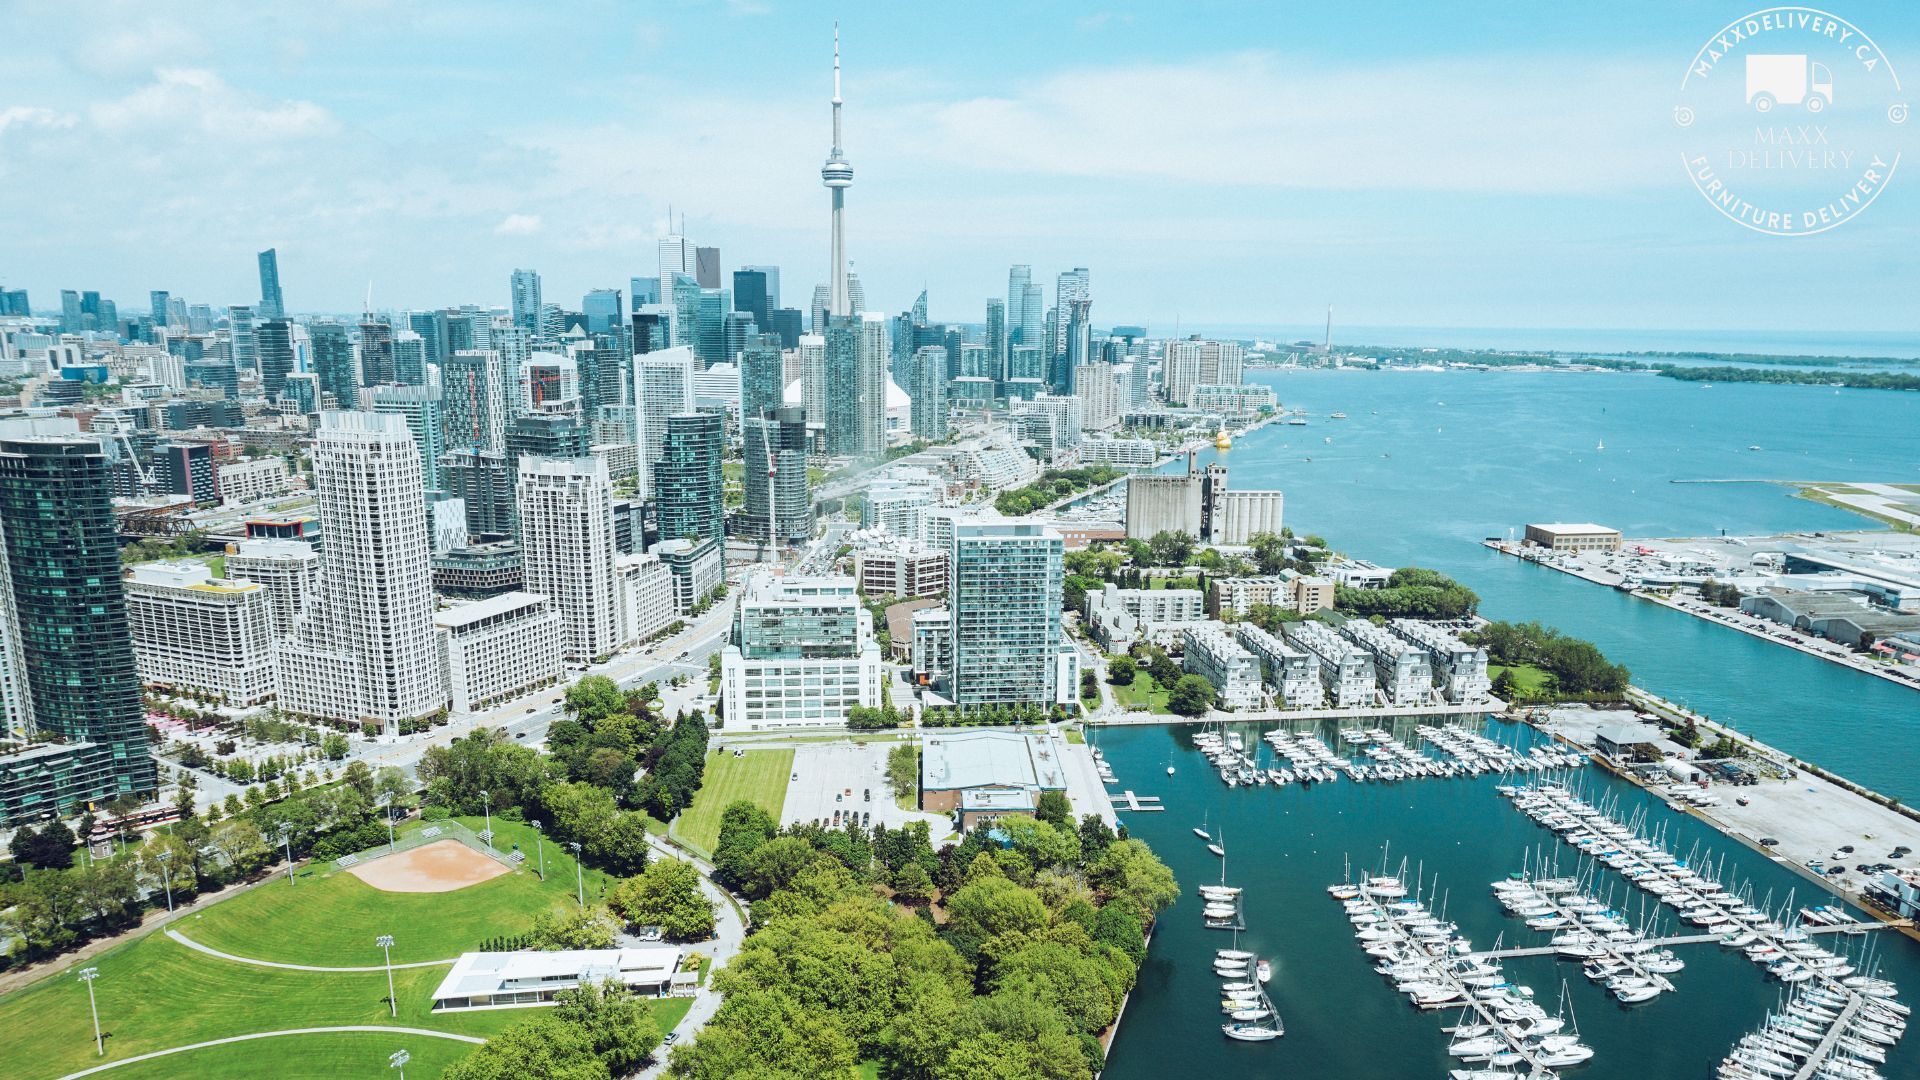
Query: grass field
point(304, 1057)
point(330, 918)
point(760, 775)
point(1142, 691)
point(1527, 677)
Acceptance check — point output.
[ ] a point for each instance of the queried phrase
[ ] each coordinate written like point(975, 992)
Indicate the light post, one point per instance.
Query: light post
point(386, 803)
point(541, 848)
point(579, 879)
point(398, 1060)
point(87, 975)
point(164, 858)
point(385, 941)
point(286, 837)
point(486, 804)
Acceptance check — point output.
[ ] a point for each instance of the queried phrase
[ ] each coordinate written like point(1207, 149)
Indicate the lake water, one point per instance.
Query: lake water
point(1426, 466)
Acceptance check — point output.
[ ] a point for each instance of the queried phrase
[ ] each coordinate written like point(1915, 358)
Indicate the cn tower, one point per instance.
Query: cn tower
point(837, 175)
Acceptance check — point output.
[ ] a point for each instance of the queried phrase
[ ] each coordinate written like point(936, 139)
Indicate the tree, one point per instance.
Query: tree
point(912, 884)
point(1192, 695)
point(1040, 842)
point(334, 746)
point(546, 1046)
point(1120, 670)
point(594, 698)
point(766, 1033)
point(619, 1025)
point(1052, 807)
point(1128, 872)
point(1095, 836)
point(903, 769)
point(1504, 686)
point(668, 895)
point(574, 928)
point(1170, 548)
point(744, 826)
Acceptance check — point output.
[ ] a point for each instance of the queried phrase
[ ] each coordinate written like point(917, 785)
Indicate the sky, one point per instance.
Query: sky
point(1213, 164)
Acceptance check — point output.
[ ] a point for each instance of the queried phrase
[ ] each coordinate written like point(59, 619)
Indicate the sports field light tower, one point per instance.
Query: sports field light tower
point(385, 941)
point(398, 1060)
point(540, 848)
point(386, 811)
point(163, 858)
point(286, 837)
point(579, 879)
point(87, 975)
point(486, 804)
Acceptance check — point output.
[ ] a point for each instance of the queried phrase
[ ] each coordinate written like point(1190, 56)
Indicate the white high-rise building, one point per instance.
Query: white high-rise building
point(364, 650)
point(813, 379)
point(803, 654)
point(192, 631)
point(567, 549)
point(1097, 384)
point(663, 387)
point(1193, 362)
point(290, 570)
point(500, 648)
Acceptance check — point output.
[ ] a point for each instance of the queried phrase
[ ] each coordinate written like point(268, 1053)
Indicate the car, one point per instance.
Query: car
point(671, 1035)
point(867, 793)
point(836, 797)
point(795, 777)
point(519, 734)
point(1848, 848)
point(1768, 841)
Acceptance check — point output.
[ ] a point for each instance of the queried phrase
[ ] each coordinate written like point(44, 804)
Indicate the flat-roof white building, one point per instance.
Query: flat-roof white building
point(1118, 617)
point(193, 631)
point(803, 653)
point(505, 980)
point(1213, 654)
point(645, 585)
point(567, 548)
point(499, 648)
point(251, 479)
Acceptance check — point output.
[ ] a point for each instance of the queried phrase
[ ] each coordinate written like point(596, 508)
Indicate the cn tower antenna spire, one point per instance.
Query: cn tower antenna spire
point(837, 175)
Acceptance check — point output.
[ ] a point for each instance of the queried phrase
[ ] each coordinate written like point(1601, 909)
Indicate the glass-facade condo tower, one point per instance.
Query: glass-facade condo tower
point(687, 483)
point(1004, 581)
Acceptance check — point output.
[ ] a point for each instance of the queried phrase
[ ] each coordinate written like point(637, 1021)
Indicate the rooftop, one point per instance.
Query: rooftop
point(971, 759)
point(485, 973)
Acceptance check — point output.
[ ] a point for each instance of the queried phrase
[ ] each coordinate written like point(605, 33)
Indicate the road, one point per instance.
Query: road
point(728, 935)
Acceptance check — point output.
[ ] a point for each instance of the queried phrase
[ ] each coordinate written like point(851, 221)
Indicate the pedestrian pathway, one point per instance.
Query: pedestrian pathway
point(728, 934)
point(196, 946)
point(427, 1032)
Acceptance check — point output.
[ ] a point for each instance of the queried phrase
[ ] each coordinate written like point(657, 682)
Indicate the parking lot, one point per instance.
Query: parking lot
point(850, 771)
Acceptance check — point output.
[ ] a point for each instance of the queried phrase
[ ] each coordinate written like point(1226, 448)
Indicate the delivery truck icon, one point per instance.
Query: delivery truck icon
point(1787, 79)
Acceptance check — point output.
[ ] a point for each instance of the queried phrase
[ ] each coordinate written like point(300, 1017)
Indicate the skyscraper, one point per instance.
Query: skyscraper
point(1004, 581)
point(663, 386)
point(156, 301)
point(525, 299)
point(567, 549)
point(272, 306)
point(364, 650)
point(929, 393)
point(419, 406)
point(761, 371)
point(996, 339)
point(687, 479)
point(333, 363)
point(602, 309)
point(837, 175)
point(706, 267)
point(756, 290)
point(409, 358)
point(472, 401)
point(246, 349)
point(376, 352)
point(1019, 276)
point(66, 636)
point(779, 502)
point(856, 384)
point(275, 342)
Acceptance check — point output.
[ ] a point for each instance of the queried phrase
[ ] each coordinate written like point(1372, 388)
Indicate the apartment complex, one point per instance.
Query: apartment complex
point(1214, 655)
point(1293, 673)
point(1405, 673)
point(567, 549)
point(500, 648)
point(1346, 672)
point(803, 654)
point(193, 632)
point(289, 570)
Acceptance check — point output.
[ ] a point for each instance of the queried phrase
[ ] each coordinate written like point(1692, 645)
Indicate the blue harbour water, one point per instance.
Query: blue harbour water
point(1427, 464)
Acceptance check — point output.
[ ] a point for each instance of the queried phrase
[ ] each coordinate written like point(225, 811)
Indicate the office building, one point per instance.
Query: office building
point(603, 309)
point(69, 669)
point(663, 387)
point(274, 342)
point(756, 290)
point(272, 306)
point(1582, 537)
point(499, 649)
point(1293, 673)
point(779, 497)
point(1193, 362)
point(803, 653)
point(706, 267)
point(194, 633)
point(688, 486)
point(525, 300)
point(289, 570)
point(1004, 594)
point(1215, 656)
point(567, 549)
point(1346, 671)
point(928, 382)
point(364, 649)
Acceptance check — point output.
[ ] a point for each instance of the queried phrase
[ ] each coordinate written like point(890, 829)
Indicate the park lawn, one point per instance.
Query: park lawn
point(1142, 691)
point(305, 1057)
point(759, 776)
point(155, 993)
point(330, 918)
point(1076, 737)
point(1527, 677)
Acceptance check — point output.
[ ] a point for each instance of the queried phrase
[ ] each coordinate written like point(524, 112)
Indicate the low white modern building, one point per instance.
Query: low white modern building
point(803, 653)
point(1213, 654)
point(1294, 673)
point(1345, 670)
point(646, 589)
point(500, 648)
point(195, 632)
point(1118, 617)
point(902, 568)
point(1405, 673)
point(505, 980)
point(251, 479)
point(1459, 669)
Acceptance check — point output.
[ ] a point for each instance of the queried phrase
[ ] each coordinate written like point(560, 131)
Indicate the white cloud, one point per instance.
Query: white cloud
point(136, 49)
point(26, 116)
point(518, 225)
point(196, 99)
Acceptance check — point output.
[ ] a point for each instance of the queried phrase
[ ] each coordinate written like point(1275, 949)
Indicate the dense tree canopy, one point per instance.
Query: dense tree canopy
point(1411, 593)
point(667, 894)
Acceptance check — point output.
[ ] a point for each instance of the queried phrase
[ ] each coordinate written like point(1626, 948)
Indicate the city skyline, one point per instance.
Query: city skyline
point(1296, 168)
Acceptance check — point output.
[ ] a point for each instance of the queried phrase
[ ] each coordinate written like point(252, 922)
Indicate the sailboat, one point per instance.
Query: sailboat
point(1602, 445)
point(1201, 831)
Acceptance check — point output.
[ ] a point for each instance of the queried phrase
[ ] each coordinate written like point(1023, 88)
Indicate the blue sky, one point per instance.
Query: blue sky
point(1212, 163)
